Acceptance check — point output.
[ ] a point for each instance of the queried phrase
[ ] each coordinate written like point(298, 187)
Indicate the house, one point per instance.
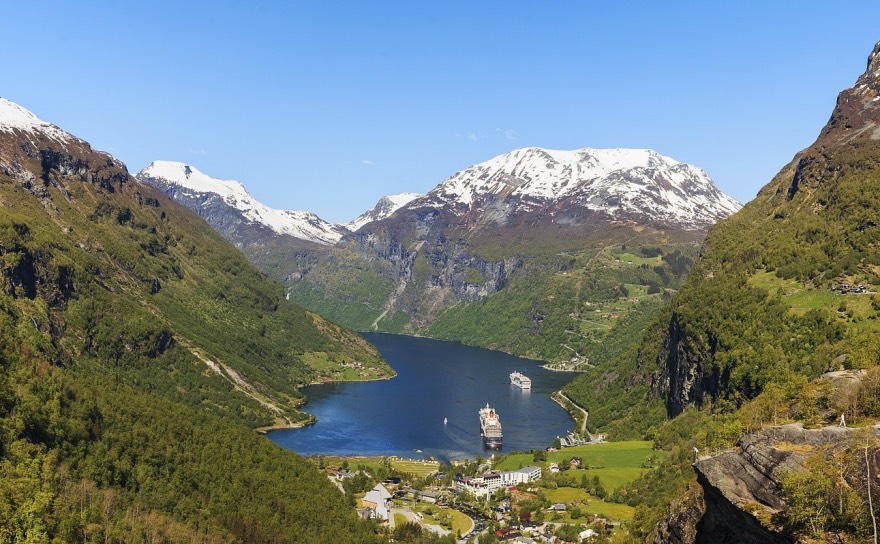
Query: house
point(424, 496)
point(379, 499)
point(558, 507)
point(587, 534)
point(530, 474)
point(575, 462)
point(554, 468)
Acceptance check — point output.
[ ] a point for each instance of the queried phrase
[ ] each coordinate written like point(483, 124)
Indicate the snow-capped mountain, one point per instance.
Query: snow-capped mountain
point(622, 183)
point(186, 183)
point(14, 117)
point(386, 206)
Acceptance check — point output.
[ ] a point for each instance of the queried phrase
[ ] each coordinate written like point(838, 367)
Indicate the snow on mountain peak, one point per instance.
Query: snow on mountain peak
point(386, 206)
point(611, 180)
point(299, 224)
point(15, 117)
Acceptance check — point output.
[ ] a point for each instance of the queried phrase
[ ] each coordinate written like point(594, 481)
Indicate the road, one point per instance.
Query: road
point(586, 414)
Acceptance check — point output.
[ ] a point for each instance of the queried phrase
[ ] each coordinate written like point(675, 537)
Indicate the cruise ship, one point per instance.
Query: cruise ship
point(520, 380)
point(490, 427)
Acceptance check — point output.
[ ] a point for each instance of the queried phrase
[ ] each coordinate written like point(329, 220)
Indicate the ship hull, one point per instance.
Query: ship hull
point(492, 443)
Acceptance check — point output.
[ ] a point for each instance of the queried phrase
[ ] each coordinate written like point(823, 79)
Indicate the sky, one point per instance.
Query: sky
point(328, 105)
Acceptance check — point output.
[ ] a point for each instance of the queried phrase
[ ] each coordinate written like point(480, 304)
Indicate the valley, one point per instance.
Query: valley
point(516, 343)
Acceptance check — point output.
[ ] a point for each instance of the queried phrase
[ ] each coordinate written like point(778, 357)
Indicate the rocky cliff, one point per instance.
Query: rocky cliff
point(739, 500)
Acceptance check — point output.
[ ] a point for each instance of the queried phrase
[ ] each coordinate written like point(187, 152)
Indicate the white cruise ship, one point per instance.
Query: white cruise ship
point(520, 380)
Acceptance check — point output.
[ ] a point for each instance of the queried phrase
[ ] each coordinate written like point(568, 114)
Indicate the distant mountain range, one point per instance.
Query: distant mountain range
point(538, 185)
point(401, 265)
point(227, 204)
point(636, 184)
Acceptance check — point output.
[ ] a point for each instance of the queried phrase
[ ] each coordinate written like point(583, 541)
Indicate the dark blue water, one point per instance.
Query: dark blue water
point(404, 416)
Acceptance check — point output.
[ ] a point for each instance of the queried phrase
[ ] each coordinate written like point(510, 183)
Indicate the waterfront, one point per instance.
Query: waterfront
point(436, 380)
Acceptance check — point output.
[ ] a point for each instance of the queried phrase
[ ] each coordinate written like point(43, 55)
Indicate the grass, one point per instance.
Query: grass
point(444, 517)
point(417, 467)
point(608, 458)
point(801, 300)
point(610, 510)
point(615, 463)
point(588, 504)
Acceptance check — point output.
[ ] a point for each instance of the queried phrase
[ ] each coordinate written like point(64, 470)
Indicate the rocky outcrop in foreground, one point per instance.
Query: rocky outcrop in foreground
point(740, 488)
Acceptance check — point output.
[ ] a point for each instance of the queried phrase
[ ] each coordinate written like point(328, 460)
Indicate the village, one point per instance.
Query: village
point(557, 495)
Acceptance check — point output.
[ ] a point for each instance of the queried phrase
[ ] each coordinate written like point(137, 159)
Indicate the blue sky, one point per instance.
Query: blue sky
point(327, 106)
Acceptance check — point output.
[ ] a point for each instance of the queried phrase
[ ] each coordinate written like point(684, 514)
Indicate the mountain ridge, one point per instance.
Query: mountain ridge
point(138, 352)
point(615, 181)
point(177, 177)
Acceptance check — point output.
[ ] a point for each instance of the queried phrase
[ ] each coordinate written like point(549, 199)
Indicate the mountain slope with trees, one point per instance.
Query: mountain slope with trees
point(778, 322)
point(138, 349)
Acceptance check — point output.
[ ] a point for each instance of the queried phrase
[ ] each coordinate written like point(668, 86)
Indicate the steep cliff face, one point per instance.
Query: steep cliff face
point(681, 377)
point(742, 501)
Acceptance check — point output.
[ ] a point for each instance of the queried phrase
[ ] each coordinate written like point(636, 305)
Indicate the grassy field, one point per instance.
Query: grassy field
point(801, 300)
point(417, 467)
point(574, 496)
point(445, 517)
point(615, 463)
point(621, 461)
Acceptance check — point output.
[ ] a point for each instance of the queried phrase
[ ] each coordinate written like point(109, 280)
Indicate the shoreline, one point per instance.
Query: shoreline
point(546, 366)
point(311, 420)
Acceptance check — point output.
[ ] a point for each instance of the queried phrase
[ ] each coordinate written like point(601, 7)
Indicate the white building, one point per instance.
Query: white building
point(486, 484)
point(480, 485)
point(379, 499)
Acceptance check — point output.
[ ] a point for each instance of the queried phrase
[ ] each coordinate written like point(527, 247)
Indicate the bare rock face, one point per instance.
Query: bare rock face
point(856, 116)
point(741, 488)
point(681, 525)
point(681, 380)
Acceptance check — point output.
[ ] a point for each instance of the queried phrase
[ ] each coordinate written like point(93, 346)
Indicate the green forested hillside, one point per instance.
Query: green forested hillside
point(581, 307)
point(137, 351)
point(786, 289)
point(762, 304)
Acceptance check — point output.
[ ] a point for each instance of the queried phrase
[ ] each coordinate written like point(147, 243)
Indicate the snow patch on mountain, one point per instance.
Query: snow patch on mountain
point(386, 206)
point(15, 117)
point(299, 224)
point(616, 181)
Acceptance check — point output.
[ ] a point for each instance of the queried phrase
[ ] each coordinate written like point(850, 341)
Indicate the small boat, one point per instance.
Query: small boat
point(445, 421)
